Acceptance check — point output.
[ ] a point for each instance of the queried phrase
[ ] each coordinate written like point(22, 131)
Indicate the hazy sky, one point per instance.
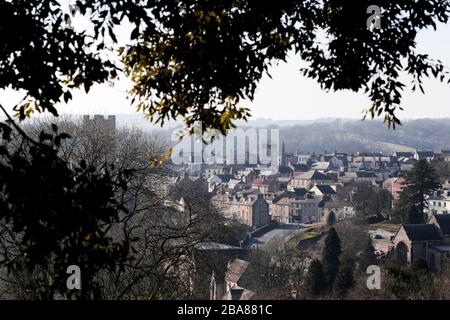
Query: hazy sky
point(288, 95)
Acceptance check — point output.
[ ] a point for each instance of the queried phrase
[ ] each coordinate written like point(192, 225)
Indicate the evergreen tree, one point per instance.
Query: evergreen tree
point(420, 182)
point(402, 208)
point(330, 256)
point(315, 282)
point(414, 215)
point(367, 257)
point(331, 219)
point(344, 281)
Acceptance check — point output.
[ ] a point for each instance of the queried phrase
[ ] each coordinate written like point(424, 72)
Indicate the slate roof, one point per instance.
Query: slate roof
point(300, 167)
point(425, 154)
point(235, 270)
point(400, 154)
point(262, 182)
point(225, 177)
point(313, 175)
point(322, 165)
point(422, 232)
point(444, 222)
point(325, 188)
point(300, 192)
point(297, 193)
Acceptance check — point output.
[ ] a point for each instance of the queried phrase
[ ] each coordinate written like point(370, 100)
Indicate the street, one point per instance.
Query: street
point(277, 235)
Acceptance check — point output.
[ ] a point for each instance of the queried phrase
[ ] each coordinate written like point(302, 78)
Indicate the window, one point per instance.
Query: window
point(402, 253)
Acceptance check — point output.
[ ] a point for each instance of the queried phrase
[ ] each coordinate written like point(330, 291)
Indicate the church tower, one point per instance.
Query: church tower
point(283, 156)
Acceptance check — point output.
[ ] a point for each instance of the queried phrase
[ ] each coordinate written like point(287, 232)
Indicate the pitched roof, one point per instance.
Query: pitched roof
point(300, 192)
point(425, 153)
point(404, 154)
point(300, 167)
point(325, 188)
point(261, 182)
point(236, 269)
point(312, 175)
point(444, 222)
point(321, 165)
point(225, 177)
point(422, 232)
point(297, 193)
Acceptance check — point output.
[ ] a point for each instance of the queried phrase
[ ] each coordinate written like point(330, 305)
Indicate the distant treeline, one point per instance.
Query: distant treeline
point(353, 136)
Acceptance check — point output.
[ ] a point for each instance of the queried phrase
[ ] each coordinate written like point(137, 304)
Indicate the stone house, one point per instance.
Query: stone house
point(309, 179)
point(325, 191)
point(249, 209)
point(342, 210)
point(430, 242)
point(227, 286)
point(265, 185)
point(289, 208)
point(439, 202)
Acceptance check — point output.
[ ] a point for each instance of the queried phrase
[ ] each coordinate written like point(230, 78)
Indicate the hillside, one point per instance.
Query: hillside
point(352, 136)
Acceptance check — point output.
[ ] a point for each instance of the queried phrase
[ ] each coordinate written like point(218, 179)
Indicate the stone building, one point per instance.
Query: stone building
point(430, 242)
point(309, 179)
point(290, 207)
point(108, 122)
point(249, 209)
point(226, 286)
point(394, 186)
point(342, 210)
point(265, 185)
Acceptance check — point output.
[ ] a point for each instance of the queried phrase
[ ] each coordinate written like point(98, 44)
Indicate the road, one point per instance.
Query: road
point(275, 236)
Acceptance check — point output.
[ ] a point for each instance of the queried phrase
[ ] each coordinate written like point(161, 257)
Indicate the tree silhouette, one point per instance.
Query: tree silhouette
point(331, 219)
point(344, 281)
point(54, 214)
point(330, 256)
point(420, 182)
point(199, 60)
point(315, 282)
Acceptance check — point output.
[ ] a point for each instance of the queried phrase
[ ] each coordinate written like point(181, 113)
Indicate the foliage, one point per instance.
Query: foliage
point(442, 169)
point(406, 283)
point(367, 256)
point(96, 209)
point(367, 200)
point(421, 181)
point(344, 281)
point(331, 219)
point(200, 59)
point(315, 282)
point(330, 256)
point(54, 214)
point(276, 274)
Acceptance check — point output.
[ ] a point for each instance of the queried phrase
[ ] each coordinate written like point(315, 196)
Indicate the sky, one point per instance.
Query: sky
point(287, 95)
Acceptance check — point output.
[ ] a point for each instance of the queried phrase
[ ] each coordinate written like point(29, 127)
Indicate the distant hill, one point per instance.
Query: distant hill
point(369, 135)
point(344, 135)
